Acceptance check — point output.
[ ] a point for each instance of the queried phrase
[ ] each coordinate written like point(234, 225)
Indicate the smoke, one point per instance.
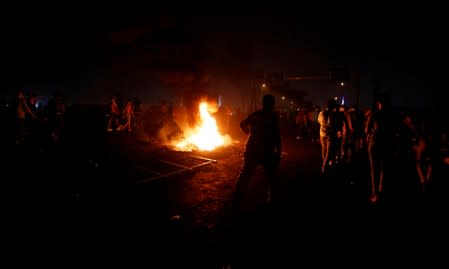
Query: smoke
point(169, 132)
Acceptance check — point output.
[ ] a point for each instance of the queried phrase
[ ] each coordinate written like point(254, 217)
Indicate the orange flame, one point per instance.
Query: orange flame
point(205, 136)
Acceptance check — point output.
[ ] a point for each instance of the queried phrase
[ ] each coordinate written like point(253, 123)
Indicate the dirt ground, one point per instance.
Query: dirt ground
point(92, 194)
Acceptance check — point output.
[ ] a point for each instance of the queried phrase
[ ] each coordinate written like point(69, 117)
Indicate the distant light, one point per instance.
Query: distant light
point(283, 97)
point(343, 101)
point(342, 84)
point(264, 85)
point(7, 105)
point(297, 109)
point(291, 102)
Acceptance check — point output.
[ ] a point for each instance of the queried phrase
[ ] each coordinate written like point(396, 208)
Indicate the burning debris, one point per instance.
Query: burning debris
point(199, 127)
point(204, 136)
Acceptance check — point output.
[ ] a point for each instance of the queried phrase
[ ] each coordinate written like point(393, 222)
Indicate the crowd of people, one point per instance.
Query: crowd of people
point(33, 122)
point(412, 142)
point(394, 140)
point(123, 120)
point(390, 139)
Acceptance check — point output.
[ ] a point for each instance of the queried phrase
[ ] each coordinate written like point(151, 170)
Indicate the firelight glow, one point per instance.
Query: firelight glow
point(205, 136)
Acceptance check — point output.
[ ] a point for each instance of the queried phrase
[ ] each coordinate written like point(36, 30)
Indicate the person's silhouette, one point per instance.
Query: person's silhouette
point(263, 147)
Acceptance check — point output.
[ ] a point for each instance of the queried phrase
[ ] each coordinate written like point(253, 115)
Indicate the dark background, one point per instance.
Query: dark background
point(90, 54)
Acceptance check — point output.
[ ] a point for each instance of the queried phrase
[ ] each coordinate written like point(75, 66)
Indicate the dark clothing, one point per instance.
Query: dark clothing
point(381, 135)
point(435, 153)
point(357, 122)
point(263, 147)
point(380, 128)
point(54, 112)
point(264, 133)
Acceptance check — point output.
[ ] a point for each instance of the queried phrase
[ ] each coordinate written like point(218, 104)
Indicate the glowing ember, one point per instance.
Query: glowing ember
point(205, 136)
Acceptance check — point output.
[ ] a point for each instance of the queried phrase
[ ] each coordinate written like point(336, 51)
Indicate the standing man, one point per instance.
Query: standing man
point(22, 110)
point(380, 136)
point(128, 115)
point(263, 147)
point(113, 114)
point(332, 124)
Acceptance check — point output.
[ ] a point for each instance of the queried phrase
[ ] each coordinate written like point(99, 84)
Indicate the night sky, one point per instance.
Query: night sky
point(89, 57)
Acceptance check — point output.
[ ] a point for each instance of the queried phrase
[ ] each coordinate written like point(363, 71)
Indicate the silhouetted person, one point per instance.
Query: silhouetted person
point(54, 112)
point(301, 124)
point(33, 122)
point(357, 137)
point(113, 114)
point(22, 111)
point(332, 122)
point(138, 110)
point(263, 147)
point(347, 130)
point(380, 136)
point(426, 154)
point(432, 156)
point(128, 115)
